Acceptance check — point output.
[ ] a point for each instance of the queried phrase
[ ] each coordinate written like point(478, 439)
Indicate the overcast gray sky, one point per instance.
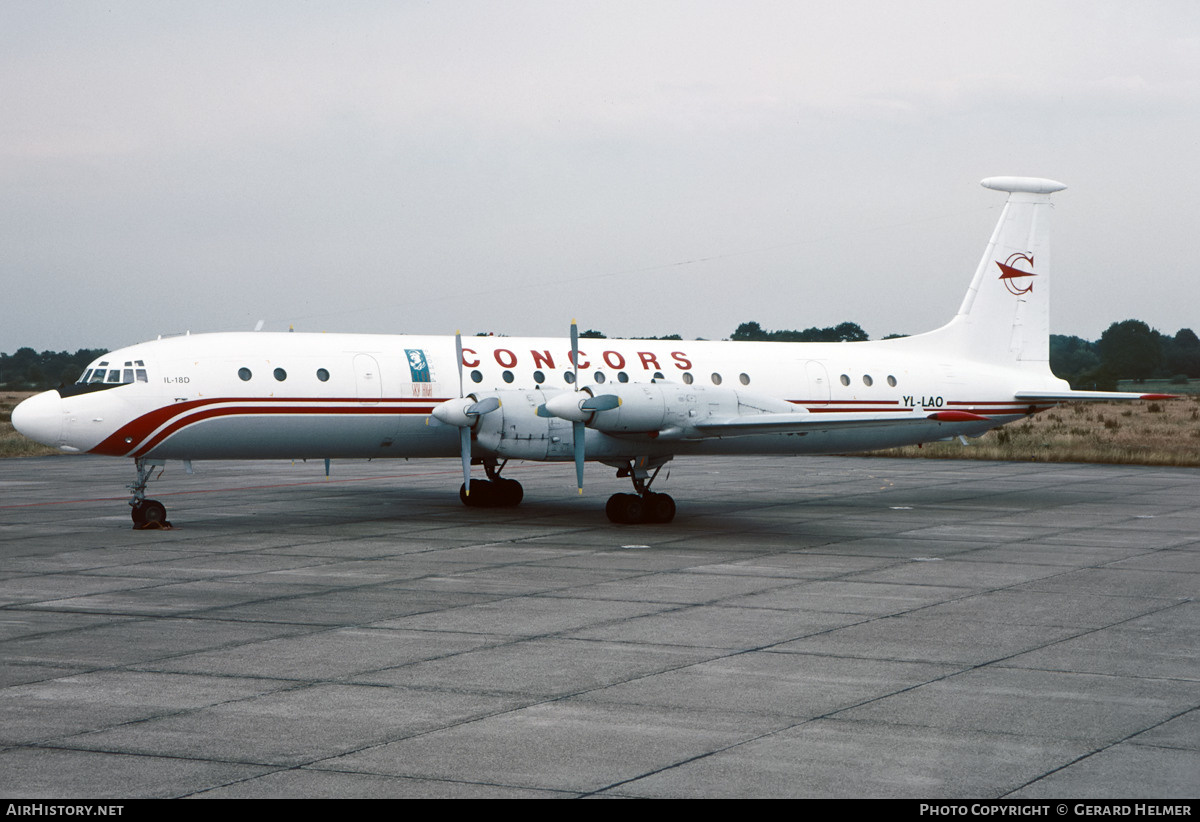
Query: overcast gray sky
point(646, 167)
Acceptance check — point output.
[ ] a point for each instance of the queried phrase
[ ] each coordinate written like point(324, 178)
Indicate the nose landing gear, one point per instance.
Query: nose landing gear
point(146, 513)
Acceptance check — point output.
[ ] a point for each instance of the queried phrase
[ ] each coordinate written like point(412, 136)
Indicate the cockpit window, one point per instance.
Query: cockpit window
point(101, 372)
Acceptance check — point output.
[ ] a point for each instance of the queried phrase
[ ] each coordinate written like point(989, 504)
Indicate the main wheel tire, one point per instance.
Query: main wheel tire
point(624, 509)
point(614, 507)
point(482, 494)
point(660, 508)
point(635, 509)
point(509, 493)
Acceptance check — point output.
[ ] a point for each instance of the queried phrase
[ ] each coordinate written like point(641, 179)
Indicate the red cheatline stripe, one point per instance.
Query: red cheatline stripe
point(259, 410)
point(128, 437)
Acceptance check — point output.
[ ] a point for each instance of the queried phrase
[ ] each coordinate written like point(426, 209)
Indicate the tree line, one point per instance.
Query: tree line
point(1128, 350)
point(27, 370)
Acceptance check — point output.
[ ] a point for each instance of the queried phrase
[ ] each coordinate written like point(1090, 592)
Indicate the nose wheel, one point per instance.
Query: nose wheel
point(146, 513)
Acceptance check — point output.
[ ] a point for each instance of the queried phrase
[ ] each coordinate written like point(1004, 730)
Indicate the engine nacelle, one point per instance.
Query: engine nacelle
point(515, 431)
point(669, 408)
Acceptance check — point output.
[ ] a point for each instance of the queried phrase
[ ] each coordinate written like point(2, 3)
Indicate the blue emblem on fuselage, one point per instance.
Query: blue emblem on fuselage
point(418, 366)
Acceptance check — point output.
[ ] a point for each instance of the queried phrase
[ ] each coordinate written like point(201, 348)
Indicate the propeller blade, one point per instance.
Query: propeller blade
point(578, 429)
point(575, 353)
point(604, 402)
point(458, 359)
point(485, 406)
point(580, 432)
point(464, 442)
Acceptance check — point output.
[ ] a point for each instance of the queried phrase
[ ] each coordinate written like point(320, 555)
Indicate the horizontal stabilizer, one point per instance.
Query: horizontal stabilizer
point(1089, 396)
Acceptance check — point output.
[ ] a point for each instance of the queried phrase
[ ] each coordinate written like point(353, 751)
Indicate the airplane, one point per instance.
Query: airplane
point(628, 403)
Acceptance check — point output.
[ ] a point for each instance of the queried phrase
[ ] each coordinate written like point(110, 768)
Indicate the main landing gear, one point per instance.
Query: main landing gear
point(146, 513)
point(493, 492)
point(645, 506)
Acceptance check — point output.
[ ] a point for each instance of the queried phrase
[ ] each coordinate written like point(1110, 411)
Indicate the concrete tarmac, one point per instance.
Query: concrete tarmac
point(807, 627)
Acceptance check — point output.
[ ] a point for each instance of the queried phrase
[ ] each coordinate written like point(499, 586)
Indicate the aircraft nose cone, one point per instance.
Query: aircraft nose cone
point(40, 418)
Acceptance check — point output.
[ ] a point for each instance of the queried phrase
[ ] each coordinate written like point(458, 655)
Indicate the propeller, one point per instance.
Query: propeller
point(569, 406)
point(464, 413)
point(578, 429)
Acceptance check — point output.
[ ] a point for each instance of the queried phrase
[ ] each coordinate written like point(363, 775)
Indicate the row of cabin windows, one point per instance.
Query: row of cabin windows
point(244, 374)
point(539, 377)
point(114, 375)
point(868, 380)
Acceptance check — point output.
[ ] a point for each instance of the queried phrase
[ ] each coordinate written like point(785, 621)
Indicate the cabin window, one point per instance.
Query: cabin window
point(744, 379)
point(658, 375)
point(539, 377)
point(867, 381)
point(622, 376)
point(845, 379)
point(507, 376)
point(476, 376)
point(891, 381)
point(687, 378)
point(280, 374)
point(599, 376)
point(716, 378)
point(322, 375)
point(569, 376)
point(244, 374)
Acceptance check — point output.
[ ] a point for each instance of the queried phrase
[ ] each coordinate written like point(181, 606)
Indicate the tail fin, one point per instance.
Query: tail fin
point(1005, 317)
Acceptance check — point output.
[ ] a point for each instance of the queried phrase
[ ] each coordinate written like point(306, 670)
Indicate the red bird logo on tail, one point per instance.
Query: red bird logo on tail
point(1010, 274)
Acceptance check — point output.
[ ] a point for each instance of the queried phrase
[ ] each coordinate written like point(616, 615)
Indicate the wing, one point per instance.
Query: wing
point(807, 422)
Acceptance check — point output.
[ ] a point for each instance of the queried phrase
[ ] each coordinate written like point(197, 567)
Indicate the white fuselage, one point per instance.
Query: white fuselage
point(285, 395)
